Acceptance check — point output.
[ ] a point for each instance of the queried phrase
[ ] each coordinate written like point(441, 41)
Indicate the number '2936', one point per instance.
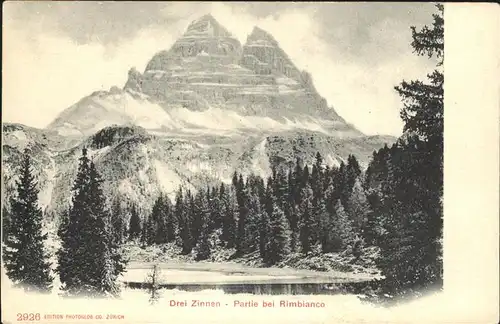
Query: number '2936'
point(28, 316)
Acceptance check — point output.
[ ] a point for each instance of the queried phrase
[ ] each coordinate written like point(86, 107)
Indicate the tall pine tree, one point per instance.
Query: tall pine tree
point(89, 262)
point(135, 226)
point(410, 200)
point(306, 219)
point(117, 221)
point(278, 243)
point(26, 262)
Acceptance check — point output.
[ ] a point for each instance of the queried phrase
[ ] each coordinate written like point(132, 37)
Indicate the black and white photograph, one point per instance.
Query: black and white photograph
point(205, 158)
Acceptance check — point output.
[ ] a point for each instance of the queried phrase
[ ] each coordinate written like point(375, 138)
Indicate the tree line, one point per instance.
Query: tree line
point(295, 210)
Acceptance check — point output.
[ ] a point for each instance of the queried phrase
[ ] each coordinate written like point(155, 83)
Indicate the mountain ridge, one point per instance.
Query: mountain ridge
point(204, 108)
point(137, 165)
point(208, 68)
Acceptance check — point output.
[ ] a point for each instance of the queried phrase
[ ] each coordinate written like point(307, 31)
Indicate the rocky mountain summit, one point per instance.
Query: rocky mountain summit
point(208, 72)
point(200, 110)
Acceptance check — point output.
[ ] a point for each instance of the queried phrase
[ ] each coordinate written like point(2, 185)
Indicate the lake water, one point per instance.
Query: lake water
point(257, 281)
point(271, 289)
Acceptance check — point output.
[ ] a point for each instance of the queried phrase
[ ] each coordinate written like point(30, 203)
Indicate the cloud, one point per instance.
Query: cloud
point(44, 76)
point(47, 71)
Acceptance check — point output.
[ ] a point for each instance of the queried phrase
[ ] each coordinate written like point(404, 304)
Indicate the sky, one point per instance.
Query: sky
point(55, 53)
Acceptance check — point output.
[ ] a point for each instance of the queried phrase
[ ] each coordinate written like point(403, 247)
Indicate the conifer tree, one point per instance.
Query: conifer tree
point(162, 220)
point(291, 211)
point(117, 221)
point(26, 262)
point(243, 212)
point(149, 231)
point(89, 262)
point(252, 224)
point(349, 174)
point(279, 237)
point(203, 247)
point(343, 226)
point(412, 190)
point(135, 227)
point(357, 206)
point(216, 209)
point(5, 223)
point(306, 220)
point(200, 215)
point(169, 220)
point(280, 188)
point(323, 226)
point(153, 280)
point(297, 182)
point(183, 222)
point(317, 177)
point(109, 263)
point(230, 207)
point(305, 177)
point(264, 234)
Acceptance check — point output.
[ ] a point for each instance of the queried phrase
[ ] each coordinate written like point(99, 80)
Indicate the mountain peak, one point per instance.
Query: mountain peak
point(207, 26)
point(259, 35)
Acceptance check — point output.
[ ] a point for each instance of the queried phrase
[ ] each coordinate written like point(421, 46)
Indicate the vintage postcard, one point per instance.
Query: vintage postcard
point(229, 162)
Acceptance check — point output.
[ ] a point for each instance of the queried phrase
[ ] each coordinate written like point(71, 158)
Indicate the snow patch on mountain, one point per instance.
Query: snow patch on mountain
point(45, 194)
point(168, 180)
point(331, 161)
point(142, 112)
point(260, 160)
point(198, 167)
point(103, 110)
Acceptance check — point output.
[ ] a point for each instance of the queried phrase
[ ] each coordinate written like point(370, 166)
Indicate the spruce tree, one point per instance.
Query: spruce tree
point(26, 262)
point(169, 220)
point(349, 173)
point(89, 262)
point(343, 227)
point(357, 206)
point(279, 237)
point(135, 227)
point(118, 222)
point(183, 222)
point(149, 231)
point(251, 240)
point(306, 220)
point(203, 247)
point(109, 263)
point(143, 237)
point(323, 224)
point(216, 209)
point(411, 199)
point(291, 211)
point(162, 219)
point(264, 234)
point(200, 214)
point(5, 223)
point(296, 183)
point(317, 177)
point(230, 207)
point(243, 212)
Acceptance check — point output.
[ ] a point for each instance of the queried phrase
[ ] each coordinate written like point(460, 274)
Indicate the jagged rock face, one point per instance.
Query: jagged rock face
point(207, 67)
point(262, 54)
point(207, 75)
